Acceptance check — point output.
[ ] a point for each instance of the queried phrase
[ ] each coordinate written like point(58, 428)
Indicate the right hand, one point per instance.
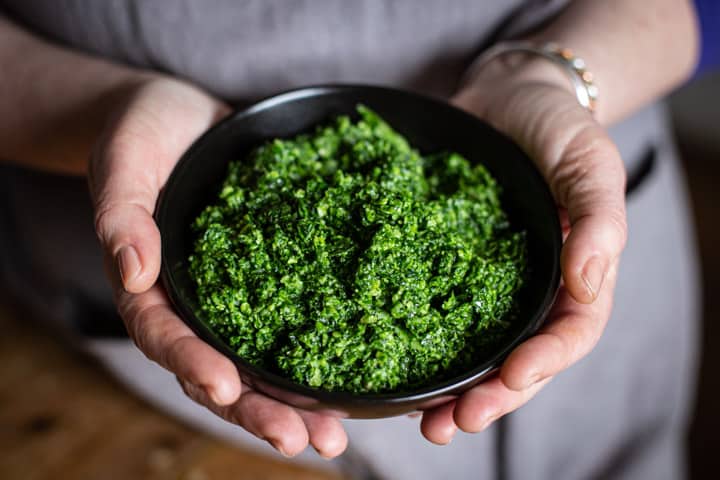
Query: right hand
point(533, 103)
point(157, 120)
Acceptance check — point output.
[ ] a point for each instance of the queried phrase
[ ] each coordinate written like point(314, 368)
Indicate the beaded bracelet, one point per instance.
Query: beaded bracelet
point(585, 90)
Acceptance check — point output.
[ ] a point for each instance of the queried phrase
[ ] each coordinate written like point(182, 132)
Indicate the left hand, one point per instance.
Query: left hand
point(535, 106)
point(157, 119)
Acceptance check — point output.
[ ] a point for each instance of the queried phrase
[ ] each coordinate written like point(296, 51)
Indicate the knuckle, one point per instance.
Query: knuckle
point(125, 141)
point(253, 411)
point(137, 136)
point(174, 352)
point(618, 223)
point(188, 389)
point(113, 221)
point(566, 350)
point(198, 395)
point(592, 144)
point(579, 338)
point(142, 326)
point(589, 161)
point(103, 222)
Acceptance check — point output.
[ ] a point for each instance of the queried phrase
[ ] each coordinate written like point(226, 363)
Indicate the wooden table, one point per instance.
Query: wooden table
point(62, 417)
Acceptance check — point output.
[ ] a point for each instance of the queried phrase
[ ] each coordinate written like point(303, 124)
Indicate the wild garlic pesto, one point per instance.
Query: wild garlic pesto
point(346, 260)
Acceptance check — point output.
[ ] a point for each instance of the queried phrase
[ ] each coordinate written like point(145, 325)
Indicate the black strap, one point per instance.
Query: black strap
point(642, 171)
point(501, 449)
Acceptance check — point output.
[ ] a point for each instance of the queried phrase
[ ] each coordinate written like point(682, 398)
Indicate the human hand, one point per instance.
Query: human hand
point(535, 106)
point(158, 120)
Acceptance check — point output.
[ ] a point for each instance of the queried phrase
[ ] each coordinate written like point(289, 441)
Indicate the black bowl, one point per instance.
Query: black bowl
point(430, 125)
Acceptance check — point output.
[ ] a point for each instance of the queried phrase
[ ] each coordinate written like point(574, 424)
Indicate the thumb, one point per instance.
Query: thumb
point(590, 182)
point(581, 165)
point(131, 163)
point(124, 224)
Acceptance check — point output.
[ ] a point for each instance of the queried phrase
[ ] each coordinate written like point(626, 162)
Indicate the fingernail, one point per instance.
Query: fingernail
point(276, 445)
point(593, 275)
point(128, 264)
point(323, 455)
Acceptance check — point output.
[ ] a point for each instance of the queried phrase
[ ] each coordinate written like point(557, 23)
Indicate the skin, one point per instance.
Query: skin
point(133, 125)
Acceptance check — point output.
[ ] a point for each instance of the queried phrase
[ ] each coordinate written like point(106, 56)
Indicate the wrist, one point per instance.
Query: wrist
point(538, 63)
point(491, 87)
point(516, 67)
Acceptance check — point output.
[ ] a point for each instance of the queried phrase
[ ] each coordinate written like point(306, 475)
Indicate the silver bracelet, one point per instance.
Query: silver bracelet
point(585, 90)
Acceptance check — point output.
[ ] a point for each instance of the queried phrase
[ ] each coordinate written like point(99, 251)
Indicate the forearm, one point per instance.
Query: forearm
point(637, 50)
point(54, 101)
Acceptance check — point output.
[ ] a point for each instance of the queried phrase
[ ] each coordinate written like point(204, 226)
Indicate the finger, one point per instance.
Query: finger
point(480, 406)
point(571, 334)
point(437, 424)
point(131, 239)
point(326, 434)
point(165, 339)
point(275, 422)
point(270, 420)
point(130, 166)
point(590, 182)
point(125, 183)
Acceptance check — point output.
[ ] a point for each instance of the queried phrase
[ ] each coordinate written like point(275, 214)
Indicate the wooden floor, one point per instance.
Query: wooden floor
point(61, 417)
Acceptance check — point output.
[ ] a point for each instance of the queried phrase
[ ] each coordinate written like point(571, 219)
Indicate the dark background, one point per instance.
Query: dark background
point(696, 116)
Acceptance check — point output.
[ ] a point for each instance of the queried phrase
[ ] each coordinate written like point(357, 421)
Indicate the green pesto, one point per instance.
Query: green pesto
point(346, 260)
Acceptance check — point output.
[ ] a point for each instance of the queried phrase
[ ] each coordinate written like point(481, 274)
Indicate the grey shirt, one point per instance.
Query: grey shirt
point(242, 50)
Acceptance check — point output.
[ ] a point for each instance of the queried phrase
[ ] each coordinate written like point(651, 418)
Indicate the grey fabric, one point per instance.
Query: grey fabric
point(42, 219)
point(620, 413)
point(245, 50)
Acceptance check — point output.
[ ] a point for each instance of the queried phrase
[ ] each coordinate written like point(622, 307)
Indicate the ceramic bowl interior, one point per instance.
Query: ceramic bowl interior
point(430, 125)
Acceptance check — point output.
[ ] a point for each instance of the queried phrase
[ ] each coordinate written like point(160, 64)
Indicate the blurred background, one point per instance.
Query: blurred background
point(62, 417)
point(696, 117)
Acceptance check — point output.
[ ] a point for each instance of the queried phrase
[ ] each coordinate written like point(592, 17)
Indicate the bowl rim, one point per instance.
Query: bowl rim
point(448, 386)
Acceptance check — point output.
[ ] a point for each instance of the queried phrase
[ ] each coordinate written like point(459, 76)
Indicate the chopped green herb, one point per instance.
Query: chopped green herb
point(346, 260)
